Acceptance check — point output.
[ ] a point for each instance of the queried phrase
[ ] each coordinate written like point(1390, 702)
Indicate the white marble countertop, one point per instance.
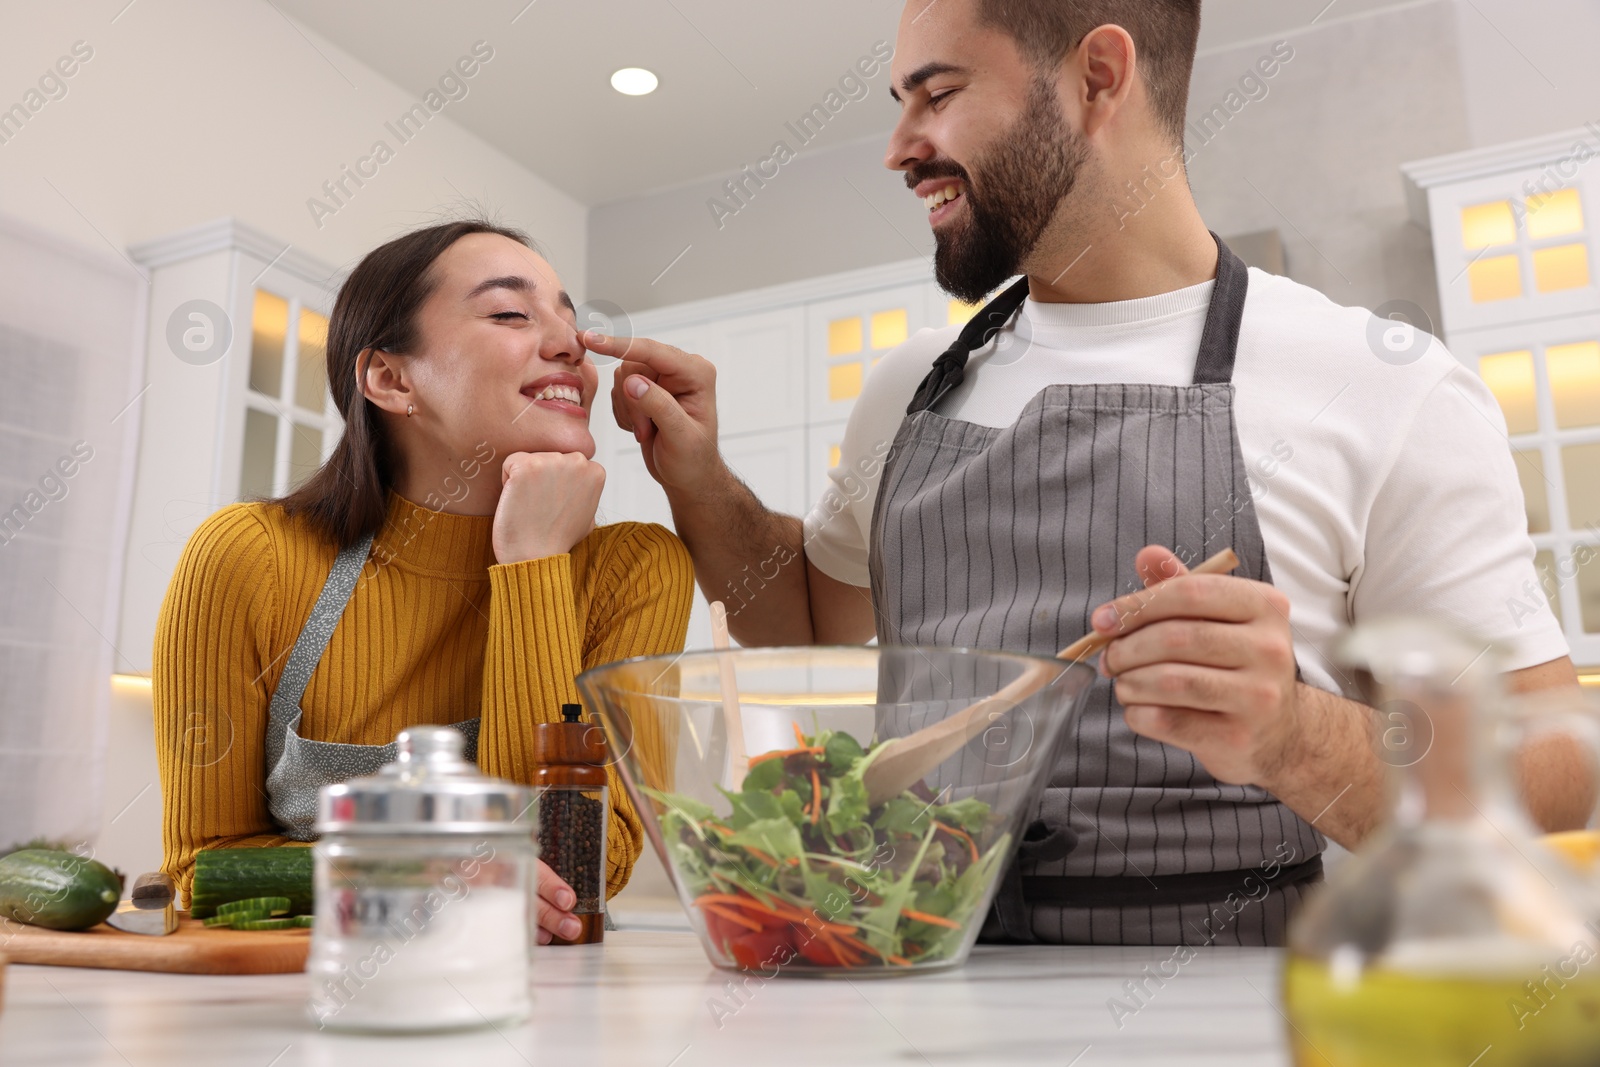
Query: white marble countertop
point(646, 999)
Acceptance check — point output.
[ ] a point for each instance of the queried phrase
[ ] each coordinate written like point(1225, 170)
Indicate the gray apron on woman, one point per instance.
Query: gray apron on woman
point(1009, 539)
point(298, 768)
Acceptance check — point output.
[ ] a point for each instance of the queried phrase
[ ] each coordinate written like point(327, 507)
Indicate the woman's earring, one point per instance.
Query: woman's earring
point(411, 409)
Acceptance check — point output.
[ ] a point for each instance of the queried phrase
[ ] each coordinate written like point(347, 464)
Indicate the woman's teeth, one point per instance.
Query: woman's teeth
point(934, 199)
point(560, 392)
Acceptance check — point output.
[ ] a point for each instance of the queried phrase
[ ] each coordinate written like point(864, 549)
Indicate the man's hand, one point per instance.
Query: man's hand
point(667, 399)
point(1206, 664)
point(547, 504)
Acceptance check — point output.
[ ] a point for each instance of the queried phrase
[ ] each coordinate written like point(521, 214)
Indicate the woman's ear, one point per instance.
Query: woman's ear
point(382, 379)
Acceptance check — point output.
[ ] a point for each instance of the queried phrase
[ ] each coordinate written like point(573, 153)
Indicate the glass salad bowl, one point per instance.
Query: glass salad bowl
point(794, 844)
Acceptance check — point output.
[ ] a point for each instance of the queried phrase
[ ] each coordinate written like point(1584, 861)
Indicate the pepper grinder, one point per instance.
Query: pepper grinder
point(574, 806)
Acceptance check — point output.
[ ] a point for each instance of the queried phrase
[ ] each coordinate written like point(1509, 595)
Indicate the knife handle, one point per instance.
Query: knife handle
point(152, 890)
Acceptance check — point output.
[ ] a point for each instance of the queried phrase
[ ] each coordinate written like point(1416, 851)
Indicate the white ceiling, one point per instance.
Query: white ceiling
point(732, 73)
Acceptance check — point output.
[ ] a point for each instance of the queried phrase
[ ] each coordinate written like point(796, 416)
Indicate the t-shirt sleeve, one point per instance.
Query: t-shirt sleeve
point(839, 525)
point(1447, 537)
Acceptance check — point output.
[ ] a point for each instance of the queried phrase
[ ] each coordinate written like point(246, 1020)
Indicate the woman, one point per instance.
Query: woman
point(454, 524)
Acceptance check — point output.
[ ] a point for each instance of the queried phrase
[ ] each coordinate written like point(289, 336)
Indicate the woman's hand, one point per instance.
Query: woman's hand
point(547, 504)
point(555, 898)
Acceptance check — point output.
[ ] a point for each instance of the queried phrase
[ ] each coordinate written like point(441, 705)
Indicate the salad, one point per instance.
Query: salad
point(802, 872)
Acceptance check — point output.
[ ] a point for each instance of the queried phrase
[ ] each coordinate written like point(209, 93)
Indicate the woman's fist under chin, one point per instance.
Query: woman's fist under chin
point(547, 504)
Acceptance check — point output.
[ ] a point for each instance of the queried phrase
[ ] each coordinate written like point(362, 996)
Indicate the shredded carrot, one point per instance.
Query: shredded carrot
point(812, 749)
point(732, 916)
point(843, 953)
point(816, 795)
point(932, 920)
point(961, 834)
point(762, 856)
point(899, 961)
point(799, 738)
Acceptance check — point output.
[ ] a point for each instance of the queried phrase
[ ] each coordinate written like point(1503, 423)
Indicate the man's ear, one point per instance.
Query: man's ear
point(381, 377)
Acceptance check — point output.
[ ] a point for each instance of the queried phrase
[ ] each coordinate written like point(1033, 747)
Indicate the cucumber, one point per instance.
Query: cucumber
point(226, 875)
point(304, 920)
point(57, 890)
point(265, 924)
point(267, 906)
point(218, 920)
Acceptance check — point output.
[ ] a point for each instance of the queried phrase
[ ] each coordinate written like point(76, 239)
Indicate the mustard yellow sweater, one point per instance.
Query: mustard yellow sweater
point(441, 633)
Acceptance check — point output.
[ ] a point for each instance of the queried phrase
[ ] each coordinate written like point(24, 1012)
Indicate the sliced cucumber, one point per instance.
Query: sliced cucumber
point(305, 920)
point(222, 875)
point(218, 920)
point(265, 924)
point(265, 905)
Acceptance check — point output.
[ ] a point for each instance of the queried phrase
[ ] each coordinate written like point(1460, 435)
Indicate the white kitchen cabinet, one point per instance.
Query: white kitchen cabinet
point(761, 370)
point(235, 405)
point(1515, 234)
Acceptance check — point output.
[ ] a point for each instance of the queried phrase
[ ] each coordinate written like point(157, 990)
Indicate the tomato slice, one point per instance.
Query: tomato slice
point(761, 951)
point(815, 950)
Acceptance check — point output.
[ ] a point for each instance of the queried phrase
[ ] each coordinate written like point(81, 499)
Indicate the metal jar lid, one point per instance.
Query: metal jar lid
point(429, 789)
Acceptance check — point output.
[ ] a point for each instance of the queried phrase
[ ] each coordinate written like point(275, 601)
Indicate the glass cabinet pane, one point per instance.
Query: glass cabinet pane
point(1554, 215)
point(311, 375)
point(1561, 267)
point(1574, 371)
point(1587, 558)
point(1486, 225)
point(305, 453)
point(260, 453)
point(1495, 278)
point(889, 328)
point(269, 327)
point(1535, 496)
point(1581, 466)
point(844, 382)
point(844, 336)
point(959, 312)
point(1509, 376)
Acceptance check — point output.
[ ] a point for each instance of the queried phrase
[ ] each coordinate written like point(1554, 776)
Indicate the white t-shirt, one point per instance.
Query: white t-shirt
point(1381, 486)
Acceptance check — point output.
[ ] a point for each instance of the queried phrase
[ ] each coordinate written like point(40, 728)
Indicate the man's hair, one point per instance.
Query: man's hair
point(1164, 32)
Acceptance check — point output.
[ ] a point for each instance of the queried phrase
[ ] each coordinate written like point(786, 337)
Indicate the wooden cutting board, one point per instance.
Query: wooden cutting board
point(191, 949)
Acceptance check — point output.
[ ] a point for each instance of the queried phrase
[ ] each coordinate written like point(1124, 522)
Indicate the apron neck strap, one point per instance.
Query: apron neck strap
point(318, 630)
point(1218, 342)
point(949, 370)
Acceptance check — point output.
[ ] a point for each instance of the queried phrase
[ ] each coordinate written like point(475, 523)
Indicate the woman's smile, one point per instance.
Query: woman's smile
point(561, 392)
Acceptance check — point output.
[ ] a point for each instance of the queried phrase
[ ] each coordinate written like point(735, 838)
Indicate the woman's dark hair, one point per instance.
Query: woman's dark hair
point(346, 499)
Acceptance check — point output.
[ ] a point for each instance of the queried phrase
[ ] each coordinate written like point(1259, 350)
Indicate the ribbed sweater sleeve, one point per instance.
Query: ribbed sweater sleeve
point(536, 649)
point(210, 693)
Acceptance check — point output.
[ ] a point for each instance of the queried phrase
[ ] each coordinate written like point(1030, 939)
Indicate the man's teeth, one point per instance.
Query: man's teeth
point(934, 199)
point(560, 392)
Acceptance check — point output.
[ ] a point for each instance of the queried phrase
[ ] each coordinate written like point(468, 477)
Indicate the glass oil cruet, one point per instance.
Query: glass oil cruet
point(1451, 938)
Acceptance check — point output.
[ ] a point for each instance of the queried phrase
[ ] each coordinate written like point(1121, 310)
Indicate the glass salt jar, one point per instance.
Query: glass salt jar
point(574, 806)
point(425, 894)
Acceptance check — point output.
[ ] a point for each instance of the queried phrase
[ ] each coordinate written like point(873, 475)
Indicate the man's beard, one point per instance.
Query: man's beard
point(1029, 170)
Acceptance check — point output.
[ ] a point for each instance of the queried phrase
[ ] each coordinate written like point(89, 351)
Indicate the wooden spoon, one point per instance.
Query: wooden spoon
point(907, 760)
point(738, 760)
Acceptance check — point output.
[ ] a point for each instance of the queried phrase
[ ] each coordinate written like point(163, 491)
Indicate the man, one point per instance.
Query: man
point(1138, 401)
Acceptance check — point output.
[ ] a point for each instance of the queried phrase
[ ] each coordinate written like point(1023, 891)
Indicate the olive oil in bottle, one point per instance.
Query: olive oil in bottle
point(1452, 938)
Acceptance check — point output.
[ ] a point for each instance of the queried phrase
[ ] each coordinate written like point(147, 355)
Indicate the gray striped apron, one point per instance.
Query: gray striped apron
point(298, 768)
point(1009, 539)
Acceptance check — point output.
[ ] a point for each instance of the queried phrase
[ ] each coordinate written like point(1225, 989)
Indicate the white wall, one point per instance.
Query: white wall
point(192, 110)
point(1371, 87)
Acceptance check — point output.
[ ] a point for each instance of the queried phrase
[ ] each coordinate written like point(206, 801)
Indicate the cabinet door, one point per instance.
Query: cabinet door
point(845, 338)
point(822, 455)
point(1516, 246)
point(760, 371)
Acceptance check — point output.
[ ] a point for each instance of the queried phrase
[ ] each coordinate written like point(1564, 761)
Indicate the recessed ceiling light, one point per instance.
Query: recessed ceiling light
point(634, 81)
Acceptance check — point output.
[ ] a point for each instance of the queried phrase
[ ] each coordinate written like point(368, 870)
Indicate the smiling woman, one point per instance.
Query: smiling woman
point(442, 567)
